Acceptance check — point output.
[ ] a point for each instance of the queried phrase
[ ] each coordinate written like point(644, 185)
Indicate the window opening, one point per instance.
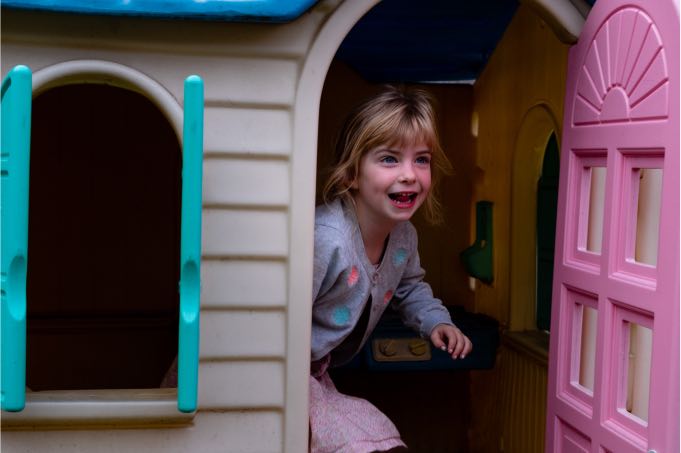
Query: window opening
point(580, 318)
point(547, 206)
point(640, 345)
point(594, 236)
point(587, 350)
point(104, 240)
point(648, 215)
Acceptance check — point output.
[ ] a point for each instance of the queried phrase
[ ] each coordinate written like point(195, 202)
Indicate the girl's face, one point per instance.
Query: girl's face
point(392, 183)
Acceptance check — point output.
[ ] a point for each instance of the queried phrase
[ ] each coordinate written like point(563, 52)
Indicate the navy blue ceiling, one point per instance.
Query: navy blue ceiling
point(426, 41)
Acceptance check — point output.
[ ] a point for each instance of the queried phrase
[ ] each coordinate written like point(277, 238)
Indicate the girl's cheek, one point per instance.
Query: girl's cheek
point(426, 180)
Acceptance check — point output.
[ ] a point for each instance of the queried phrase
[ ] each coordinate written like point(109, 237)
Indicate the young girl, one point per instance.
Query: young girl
point(366, 257)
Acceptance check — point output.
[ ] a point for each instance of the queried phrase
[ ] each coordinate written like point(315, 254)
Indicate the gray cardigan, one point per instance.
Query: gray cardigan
point(344, 278)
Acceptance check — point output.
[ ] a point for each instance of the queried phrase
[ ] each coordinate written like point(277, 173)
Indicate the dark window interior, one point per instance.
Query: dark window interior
point(547, 207)
point(104, 240)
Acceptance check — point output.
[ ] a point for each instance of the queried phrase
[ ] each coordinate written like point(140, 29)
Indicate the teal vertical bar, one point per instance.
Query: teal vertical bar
point(190, 244)
point(14, 167)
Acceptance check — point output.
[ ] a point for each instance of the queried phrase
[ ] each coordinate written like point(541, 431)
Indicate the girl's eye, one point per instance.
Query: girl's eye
point(423, 160)
point(388, 160)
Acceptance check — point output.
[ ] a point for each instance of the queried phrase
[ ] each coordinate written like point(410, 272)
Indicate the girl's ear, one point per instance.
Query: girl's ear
point(351, 180)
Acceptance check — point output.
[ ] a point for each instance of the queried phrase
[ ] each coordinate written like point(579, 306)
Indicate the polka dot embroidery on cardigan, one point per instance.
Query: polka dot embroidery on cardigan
point(353, 276)
point(388, 296)
point(400, 256)
point(341, 316)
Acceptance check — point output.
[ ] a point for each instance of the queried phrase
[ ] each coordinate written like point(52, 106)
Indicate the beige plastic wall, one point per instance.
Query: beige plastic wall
point(252, 388)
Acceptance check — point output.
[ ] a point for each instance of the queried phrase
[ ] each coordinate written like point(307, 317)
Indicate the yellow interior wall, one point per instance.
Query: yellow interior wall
point(527, 69)
point(525, 75)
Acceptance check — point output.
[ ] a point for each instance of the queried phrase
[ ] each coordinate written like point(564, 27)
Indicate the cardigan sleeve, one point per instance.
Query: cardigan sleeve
point(414, 298)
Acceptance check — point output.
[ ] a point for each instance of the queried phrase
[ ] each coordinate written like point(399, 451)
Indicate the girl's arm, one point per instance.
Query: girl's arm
point(428, 316)
point(414, 299)
point(421, 311)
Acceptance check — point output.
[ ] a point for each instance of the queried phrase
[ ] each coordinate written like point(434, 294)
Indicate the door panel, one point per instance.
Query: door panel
point(616, 283)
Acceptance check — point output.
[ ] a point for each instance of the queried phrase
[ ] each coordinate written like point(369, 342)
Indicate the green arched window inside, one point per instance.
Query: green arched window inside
point(547, 204)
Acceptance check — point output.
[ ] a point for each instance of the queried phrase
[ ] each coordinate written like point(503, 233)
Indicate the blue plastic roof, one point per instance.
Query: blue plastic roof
point(221, 10)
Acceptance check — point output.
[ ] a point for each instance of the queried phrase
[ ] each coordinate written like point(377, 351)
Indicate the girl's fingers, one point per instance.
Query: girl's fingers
point(436, 338)
point(467, 347)
point(453, 341)
point(459, 345)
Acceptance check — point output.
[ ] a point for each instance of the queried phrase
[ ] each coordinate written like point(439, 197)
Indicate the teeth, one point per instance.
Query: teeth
point(403, 197)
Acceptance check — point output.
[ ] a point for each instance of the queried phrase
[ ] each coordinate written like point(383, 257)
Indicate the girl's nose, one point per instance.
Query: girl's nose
point(407, 176)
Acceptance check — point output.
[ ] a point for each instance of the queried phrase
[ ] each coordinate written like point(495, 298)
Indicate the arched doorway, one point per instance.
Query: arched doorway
point(303, 162)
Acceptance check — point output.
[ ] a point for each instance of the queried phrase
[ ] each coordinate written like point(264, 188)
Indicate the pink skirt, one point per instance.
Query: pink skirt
point(345, 424)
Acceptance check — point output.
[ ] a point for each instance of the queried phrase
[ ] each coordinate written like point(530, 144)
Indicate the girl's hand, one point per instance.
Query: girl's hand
point(449, 338)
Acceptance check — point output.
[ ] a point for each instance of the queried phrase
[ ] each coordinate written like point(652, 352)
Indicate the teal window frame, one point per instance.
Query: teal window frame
point(16, 116)
point(190, 245)
point(16, 147)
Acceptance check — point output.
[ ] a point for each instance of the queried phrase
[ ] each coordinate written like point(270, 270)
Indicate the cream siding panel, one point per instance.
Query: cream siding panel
point(251, 75)
point(245, 182)
point(237, 385)
point(245, 233)
point(289, 40)
point(235, 80)
point(29, 55)
point(247, 131)
point(242, 334)
point(243, 283)
point(233, 432)
point(230, 80)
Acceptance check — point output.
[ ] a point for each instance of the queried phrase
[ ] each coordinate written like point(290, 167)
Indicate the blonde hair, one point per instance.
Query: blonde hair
point(395, 117)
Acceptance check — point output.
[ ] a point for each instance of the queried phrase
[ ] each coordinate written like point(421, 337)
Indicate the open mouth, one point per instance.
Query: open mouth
point(403, 198)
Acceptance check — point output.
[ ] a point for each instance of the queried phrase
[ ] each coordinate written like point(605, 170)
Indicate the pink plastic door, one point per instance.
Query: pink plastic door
point(614, 355)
